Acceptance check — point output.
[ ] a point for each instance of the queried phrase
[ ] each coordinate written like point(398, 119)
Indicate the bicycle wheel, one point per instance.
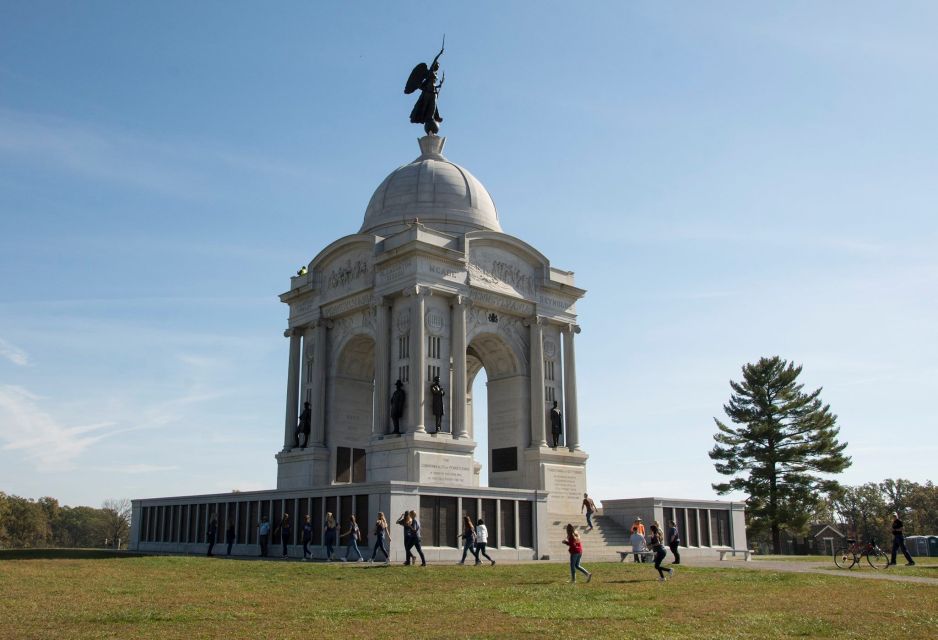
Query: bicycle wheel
point(878, 558)
point(844, 558)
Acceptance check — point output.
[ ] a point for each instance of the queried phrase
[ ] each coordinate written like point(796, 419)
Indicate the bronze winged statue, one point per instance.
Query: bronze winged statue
point(423, 77)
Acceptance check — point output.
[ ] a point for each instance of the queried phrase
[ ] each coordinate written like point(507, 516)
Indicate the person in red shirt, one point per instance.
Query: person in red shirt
point(576, 553)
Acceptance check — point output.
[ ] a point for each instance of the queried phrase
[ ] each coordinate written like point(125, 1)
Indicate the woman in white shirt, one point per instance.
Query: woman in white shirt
point(482, 537)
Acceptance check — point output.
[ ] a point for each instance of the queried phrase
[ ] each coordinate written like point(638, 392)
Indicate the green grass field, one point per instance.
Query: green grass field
point(79, 595)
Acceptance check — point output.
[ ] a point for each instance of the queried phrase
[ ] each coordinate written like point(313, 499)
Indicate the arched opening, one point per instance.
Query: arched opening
point(351, 408)
point(497, 409)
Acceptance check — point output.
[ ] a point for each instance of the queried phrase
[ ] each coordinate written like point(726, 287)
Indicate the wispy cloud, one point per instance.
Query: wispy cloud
point(177, 168)
point(26, 427)
point(13, 353)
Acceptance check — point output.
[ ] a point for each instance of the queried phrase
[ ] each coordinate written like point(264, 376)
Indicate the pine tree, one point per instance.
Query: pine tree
point(784, 438)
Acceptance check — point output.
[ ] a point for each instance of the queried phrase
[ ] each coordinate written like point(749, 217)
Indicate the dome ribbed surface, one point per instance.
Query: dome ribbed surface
point(437, 192)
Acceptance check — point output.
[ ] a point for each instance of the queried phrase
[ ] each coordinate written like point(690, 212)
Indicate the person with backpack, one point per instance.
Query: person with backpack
point(353, 534)
point(383, 539)
point(482, 538)
point(575, 547)
point(656, 542)
point(468, 539)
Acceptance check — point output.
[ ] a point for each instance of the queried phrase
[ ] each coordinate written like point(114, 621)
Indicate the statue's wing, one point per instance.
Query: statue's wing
point(416, 78)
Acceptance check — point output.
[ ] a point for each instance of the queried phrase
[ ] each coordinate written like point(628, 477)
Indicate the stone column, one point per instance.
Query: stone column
point(536, 369)
point(293, 388)
point(458, 392)
point(318, 400)
point(569, 387)
point(382, 364)
point(418, 384)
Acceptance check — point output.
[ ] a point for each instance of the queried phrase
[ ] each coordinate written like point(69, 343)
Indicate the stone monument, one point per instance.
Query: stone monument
point(431, 286)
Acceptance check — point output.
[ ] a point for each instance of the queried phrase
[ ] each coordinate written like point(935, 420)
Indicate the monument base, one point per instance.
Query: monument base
point(426, 458)
point(303, 468)
point(560, 472)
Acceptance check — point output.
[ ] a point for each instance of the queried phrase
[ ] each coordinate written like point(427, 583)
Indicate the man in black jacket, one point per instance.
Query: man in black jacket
point(898, 542)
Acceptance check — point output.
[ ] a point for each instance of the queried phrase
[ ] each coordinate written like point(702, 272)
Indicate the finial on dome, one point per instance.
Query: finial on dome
point(431, 147)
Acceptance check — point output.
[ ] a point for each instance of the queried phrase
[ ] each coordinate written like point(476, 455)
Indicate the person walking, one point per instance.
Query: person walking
point(898, 542)
point(674, 539)
point(482, 539)
point(468, 539)
point(263, 535)
point(383, 539)
point(590, 507)
point(285, 528)
point(330, 535)
point(353, 534)
point(230, 535)
point(656, 542)
point(406, 522)
point(307, 537)
point(211, 533)
point(575, 547)
point(416, 537)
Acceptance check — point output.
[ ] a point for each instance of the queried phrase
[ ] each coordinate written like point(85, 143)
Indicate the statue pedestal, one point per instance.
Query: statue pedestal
point(303, 468)
point(427, 458)
point(560, 472)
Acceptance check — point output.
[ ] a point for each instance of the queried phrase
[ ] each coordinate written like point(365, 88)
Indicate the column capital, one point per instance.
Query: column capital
point(534, 321)
point(460, 300)
point(293, 332)
point(571, 328)
point(379, 300)
point(417, 290)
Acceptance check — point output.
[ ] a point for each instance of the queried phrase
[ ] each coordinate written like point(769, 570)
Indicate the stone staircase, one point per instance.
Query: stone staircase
point(602, 544)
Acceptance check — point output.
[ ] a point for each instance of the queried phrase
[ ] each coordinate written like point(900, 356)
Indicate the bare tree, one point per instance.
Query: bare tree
point(117, 520)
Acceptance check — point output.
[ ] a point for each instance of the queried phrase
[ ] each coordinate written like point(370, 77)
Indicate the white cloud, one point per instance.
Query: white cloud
point(13, 353)
point(24, 426)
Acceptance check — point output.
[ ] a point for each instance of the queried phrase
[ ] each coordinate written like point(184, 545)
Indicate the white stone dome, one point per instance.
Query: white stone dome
point(440, 194)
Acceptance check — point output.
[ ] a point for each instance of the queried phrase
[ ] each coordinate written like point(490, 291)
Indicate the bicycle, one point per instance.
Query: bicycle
point(850, 555)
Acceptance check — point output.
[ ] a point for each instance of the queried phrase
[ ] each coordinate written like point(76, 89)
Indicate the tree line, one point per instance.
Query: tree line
point(27, 523)
point(865, 511)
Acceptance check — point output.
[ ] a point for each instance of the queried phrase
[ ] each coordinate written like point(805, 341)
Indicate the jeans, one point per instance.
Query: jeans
point(898, 542)
point(230, 542)
point(380, 544)
point(353, 545)
point(589, 519)
point(284, 538)
point(660, 553)
point(412, 543)
point(480, 551)
point(263, 543)
point(306, 551)
point(677, 556)
point(575, 566)
point(468, 546)
point(211, 543)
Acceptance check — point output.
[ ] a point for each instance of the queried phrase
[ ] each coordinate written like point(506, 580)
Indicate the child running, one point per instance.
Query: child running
point(576, 553)
point(656, 542)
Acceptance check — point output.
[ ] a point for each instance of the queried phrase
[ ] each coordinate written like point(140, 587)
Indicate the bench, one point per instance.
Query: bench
point(746, 553)
point(625, 554)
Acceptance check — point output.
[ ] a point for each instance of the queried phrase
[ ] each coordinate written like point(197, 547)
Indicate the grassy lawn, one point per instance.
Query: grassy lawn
point(195, 597)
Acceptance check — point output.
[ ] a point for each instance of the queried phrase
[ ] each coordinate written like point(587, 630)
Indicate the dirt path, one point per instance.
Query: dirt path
point(894, 573)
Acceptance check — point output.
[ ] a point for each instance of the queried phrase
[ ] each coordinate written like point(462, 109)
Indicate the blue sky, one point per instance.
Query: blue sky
point(727, 180)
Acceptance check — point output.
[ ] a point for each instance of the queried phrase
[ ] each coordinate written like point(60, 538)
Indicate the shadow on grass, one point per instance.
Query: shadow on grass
point(633, 581)
point(65, 554)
